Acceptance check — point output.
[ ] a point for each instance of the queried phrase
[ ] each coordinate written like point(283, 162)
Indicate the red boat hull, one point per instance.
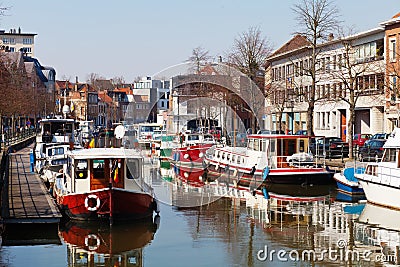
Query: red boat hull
point(102, 239)
point(95, 205)
point(190, 155)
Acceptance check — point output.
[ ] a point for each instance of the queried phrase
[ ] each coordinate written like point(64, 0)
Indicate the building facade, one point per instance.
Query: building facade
point(392, 75)
point(15, 40)
point(349, 71)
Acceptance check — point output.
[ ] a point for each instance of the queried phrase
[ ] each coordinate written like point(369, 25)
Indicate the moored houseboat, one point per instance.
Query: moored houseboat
point(104, 183)
point(268, 158)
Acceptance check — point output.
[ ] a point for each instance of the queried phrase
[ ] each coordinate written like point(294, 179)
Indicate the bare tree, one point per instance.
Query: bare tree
point(316, 20)
point(199, 57)
point(249, 52)
point(355, 77)
point(118, 81)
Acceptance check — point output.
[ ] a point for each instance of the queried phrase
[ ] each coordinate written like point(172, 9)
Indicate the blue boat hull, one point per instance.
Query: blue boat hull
point(349, 189)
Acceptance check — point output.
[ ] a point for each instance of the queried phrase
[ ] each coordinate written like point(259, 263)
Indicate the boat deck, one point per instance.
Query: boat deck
point(28, 198)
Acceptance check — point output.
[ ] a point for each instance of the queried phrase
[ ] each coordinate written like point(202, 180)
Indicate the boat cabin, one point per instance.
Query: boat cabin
point(282, 150)
point(56, 130)
point(98, 168)
point(193, 139)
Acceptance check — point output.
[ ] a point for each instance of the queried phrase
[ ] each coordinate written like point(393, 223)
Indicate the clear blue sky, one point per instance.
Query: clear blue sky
point(132, 38)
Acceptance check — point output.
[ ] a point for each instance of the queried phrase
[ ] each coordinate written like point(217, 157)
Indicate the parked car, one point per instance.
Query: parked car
point(373, 150)
point(264, 131)
point(359, 139)
point(377, 136)
point(332, 146)
point(301, 132)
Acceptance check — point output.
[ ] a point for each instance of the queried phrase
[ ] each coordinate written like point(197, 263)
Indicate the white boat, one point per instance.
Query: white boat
point(381, 180)
point(282, 159)
point(54, 135)
point(104, 183)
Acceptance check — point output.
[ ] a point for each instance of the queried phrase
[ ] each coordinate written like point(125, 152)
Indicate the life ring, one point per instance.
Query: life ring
point(90, 246)
point(87, 203)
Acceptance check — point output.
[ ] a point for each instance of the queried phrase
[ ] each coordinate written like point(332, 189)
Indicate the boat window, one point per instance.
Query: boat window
point(69, 166)
point(193, 137)
point(133, 170)
point(238, 160)
point(56, 151)
point(58, 161)
point(223, 155)
point(81, 169)
point(257, 145)
point(218, 154)
point(272, 145)
point(389, 155)
point(233, 158)
point(301, 145)
point(228, 156)
point(251, 144)
point(98, 168)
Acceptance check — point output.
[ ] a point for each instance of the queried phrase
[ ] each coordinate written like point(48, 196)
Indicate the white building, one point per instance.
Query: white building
point(290, 84)
point(14, 40)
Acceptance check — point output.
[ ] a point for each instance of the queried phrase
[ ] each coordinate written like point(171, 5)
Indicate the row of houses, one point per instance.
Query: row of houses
point(362, 67)
point(106, 104)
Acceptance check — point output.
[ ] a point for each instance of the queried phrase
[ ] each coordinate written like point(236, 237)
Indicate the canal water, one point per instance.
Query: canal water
point(214, 224)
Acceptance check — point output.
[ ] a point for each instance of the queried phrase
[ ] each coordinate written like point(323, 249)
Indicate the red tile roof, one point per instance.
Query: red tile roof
point(296, 42)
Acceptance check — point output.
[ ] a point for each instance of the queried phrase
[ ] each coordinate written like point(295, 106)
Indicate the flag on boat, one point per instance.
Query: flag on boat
point(91, 144)
point(116, 179)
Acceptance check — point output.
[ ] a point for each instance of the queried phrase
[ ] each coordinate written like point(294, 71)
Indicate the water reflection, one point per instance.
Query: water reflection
point(99, 244)
point(307, 221)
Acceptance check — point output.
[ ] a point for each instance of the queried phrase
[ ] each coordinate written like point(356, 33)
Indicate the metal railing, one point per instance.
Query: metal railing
point(9, 137)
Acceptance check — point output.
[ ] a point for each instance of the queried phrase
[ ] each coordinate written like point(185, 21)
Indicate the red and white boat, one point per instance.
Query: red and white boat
point(192, 149)
point(104, 183)
point(268, 158)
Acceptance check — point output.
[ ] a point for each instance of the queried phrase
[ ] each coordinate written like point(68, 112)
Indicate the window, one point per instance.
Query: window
point(27, 41)
point(133, 170)
point(27, 49)
point(392, 49)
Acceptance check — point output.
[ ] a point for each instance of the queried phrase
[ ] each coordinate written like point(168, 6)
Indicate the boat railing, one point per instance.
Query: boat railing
point(299, 160)
point(383, 174)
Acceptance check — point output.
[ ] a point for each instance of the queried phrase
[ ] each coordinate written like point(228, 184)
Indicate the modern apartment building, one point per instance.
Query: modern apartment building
point(349, 69)
point(15, 40)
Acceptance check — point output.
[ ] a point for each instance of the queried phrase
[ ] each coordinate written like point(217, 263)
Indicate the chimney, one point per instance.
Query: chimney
point(19, 30)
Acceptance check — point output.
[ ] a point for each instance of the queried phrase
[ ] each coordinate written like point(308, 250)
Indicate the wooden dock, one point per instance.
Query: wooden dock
point(28, 198)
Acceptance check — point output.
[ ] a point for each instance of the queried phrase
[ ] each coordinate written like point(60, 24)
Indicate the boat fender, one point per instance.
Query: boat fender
point(265, 193)
point(265, 173)
point(89, 244)
point(87, 203)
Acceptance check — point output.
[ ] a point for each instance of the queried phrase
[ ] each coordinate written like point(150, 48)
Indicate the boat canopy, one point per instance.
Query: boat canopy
point(107, 153)
point(393, 140)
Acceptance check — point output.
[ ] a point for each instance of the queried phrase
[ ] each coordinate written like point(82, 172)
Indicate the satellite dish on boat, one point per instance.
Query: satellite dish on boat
point(119, 131)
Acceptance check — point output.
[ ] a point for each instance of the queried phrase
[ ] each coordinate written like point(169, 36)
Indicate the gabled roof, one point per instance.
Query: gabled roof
point(394, 20)
point(104, 97)
point(295, 43)
point(126, 90)
point(63, 84)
